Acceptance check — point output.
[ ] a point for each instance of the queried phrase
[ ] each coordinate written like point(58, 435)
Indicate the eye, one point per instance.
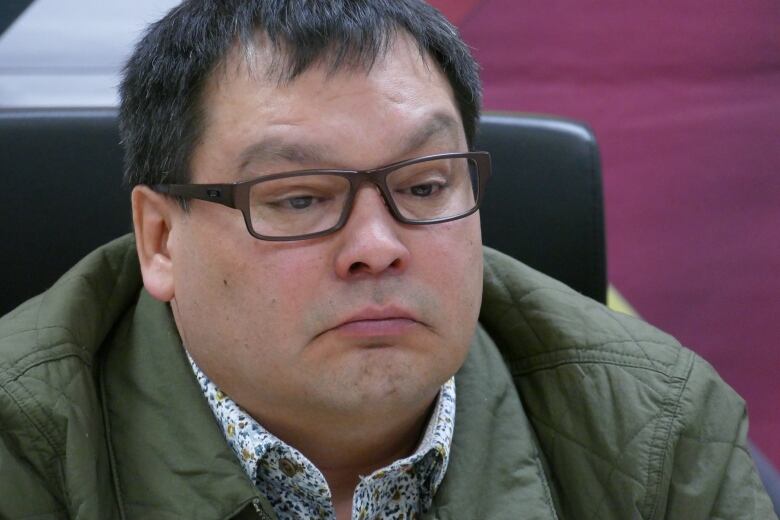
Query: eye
point(294, 203)
point(424, 190)
point(298, 202)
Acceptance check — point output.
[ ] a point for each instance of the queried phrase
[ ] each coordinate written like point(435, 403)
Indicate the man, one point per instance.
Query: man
point(291, 332)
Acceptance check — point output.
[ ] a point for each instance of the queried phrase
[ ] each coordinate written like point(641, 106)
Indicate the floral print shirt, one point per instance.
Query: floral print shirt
point(297, 489)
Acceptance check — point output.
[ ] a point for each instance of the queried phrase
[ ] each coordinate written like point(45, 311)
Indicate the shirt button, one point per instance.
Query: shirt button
point(288, 467)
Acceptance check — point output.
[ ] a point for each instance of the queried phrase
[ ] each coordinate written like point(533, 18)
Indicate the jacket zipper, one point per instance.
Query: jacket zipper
point(259, 509)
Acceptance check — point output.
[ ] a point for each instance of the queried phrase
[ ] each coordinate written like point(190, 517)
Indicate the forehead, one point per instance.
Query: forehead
point(349, 108)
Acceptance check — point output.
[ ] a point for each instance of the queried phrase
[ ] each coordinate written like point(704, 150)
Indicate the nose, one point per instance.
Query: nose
point(370, 243)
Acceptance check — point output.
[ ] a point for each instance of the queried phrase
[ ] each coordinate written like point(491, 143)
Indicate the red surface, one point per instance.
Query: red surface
point(684, 98)
point(456, 10)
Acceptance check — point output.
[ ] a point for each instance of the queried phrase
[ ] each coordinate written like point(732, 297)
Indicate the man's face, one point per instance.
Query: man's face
point(369, 320)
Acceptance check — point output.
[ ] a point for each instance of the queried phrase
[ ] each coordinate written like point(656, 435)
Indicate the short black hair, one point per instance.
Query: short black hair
point(161, 112)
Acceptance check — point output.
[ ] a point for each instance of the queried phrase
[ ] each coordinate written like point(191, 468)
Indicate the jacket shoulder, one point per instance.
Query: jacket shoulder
point(73, 316)
point(49, 400)
point(621, 409)
point(541, 322)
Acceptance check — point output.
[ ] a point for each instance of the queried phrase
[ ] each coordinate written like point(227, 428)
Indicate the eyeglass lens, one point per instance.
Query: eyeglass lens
point(422, 191)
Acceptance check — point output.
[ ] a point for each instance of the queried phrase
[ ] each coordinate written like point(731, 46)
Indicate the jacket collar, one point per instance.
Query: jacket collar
point(496, 467)
point(169, 456)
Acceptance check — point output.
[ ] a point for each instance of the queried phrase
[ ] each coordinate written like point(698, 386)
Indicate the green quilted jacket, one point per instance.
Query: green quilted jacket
point(565, 410)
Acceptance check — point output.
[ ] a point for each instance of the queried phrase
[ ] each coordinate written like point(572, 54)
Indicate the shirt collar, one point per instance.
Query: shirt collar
point(279, 470)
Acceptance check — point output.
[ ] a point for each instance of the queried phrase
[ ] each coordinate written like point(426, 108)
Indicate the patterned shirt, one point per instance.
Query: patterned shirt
point(297, 489)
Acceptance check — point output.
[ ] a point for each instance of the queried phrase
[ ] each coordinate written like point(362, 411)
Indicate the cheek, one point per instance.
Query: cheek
point(236, 290)
point(275, 287)
point(455, 269)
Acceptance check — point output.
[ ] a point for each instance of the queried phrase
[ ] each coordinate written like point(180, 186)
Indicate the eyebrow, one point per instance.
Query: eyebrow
point(440, 123)
point(278, 148)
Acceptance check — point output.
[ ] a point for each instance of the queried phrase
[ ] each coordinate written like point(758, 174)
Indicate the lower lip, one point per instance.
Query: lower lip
point(376, 328)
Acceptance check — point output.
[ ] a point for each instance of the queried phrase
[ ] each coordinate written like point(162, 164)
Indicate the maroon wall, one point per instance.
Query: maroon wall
point(684, 98)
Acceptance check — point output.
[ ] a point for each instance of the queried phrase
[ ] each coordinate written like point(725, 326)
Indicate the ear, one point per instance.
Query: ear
point(152, 220)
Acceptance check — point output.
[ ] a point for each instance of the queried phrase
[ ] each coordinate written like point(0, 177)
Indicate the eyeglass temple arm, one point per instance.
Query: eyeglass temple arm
point(219, 193)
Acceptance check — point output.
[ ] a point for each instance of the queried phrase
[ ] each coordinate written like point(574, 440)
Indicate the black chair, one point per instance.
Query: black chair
point(544, 202)
point(61, 172)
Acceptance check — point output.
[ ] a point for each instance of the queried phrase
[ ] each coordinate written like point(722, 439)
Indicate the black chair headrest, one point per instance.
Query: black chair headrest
point(544, 202)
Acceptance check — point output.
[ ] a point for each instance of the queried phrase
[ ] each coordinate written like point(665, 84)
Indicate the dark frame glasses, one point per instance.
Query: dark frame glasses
point(236, 195)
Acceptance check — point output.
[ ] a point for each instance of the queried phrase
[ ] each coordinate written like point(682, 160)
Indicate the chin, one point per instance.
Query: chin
point(395, 382)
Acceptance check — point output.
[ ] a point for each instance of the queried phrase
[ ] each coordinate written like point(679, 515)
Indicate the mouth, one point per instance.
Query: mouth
point(376, 327)
point(377, 322)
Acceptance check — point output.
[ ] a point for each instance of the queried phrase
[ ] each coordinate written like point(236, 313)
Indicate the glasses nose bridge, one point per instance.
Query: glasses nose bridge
point(378, 178)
